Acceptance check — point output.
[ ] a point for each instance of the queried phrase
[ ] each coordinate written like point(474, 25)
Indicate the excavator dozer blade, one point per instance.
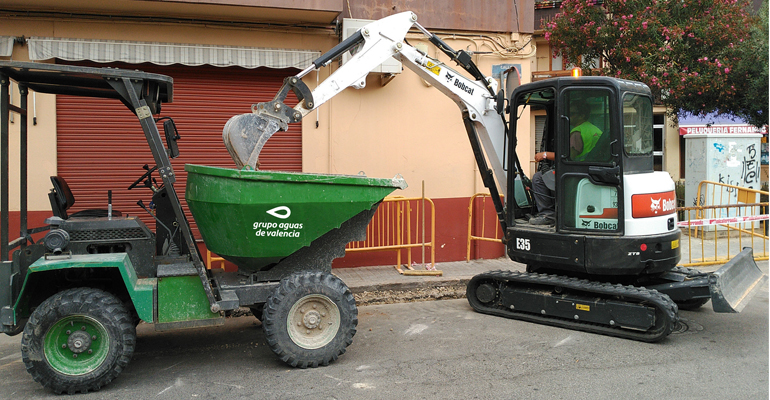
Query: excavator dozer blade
point(245, 135)
point(733, 285)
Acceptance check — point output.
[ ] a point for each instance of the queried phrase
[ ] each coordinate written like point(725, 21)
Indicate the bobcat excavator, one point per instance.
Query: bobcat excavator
point(609, 264)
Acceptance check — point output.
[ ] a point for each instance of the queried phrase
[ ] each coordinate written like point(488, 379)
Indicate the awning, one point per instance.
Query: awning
point(104, 51)
point(6, 46)
point(721, 129)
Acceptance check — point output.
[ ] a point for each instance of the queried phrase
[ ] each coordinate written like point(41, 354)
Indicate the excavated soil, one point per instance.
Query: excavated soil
point(455, 290)
point(404, 296)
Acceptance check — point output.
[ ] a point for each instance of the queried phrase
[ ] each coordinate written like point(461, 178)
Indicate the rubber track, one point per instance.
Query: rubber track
point(666, 311)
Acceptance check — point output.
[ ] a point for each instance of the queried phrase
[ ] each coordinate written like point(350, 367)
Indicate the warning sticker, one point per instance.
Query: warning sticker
point(433, 68)
point(674, 244)
point(583, 307)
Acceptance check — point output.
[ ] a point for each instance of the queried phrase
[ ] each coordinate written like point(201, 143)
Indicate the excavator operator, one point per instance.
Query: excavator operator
point(583, 138)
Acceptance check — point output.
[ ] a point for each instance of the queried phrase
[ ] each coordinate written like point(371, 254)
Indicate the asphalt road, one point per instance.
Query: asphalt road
point(442, 349)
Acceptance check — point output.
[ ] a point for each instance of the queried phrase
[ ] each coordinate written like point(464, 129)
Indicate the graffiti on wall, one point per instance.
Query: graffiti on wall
point(727, 160)
point(744, 166)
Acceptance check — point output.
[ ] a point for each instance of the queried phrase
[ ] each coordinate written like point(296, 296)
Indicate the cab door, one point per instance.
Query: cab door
point(589, 170)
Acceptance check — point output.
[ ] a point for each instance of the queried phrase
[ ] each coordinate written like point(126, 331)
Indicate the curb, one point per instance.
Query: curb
point(405, 286)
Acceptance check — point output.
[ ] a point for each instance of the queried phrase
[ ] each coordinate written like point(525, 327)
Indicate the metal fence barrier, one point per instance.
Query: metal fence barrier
point(212, 258)
point(482, 235)
point(737, 218)
point(401, 223)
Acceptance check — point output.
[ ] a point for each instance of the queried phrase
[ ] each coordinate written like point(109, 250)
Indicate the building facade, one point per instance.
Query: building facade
point(226, 55)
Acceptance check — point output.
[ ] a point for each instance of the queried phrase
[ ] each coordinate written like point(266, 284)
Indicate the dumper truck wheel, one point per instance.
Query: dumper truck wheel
point(257, 310)
point(310, 319)
point(78, 340)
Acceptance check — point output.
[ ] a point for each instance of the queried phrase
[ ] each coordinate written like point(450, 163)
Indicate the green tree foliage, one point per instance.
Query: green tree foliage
point(754, 64)
point(696, 56)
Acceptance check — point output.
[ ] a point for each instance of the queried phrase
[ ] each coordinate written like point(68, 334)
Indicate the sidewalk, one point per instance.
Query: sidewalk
point(376, 284)
point(386, 278)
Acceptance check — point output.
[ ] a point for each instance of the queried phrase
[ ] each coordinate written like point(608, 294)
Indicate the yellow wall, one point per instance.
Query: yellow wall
point(41, 149)
point(404, 127)
point(671, 145)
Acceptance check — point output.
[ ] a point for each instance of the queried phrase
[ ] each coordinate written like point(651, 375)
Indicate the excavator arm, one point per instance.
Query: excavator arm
point(480, 103)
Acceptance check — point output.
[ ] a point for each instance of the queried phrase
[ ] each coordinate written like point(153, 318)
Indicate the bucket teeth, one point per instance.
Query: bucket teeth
point(245, 135)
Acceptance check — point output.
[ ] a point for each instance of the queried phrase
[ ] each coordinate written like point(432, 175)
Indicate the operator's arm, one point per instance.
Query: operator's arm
point(544, 155)
point(575, 144)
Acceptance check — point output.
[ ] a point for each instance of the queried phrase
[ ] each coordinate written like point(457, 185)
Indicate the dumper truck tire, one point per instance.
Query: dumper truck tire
point(78, 340)
point(257, 311)
point(310, 319)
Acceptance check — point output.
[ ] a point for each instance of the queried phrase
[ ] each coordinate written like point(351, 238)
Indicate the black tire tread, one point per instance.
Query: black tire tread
point(291, 289)
point(105, 307)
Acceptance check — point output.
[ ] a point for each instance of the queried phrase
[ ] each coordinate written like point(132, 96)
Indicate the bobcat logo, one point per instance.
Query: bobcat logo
point(655, 206)
point(449, 77)
point(586, 223)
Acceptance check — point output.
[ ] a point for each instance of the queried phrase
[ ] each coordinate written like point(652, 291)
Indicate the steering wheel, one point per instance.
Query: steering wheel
point(143, 177)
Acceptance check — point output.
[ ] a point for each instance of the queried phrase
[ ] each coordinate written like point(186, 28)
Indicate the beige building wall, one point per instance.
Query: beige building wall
point(404, 127)
point(41, 138)
point(671, 154)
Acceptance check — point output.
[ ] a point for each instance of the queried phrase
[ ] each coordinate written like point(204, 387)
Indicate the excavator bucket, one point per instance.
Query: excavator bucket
point(733, 285)
point(245, 135)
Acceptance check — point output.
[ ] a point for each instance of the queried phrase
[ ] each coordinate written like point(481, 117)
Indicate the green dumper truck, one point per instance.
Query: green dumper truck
point(77, 295)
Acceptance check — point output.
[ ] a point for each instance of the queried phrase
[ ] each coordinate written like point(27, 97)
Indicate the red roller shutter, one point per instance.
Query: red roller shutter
point(101, 145)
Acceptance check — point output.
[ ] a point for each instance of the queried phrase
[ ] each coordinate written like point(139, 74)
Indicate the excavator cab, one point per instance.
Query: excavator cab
point(610, 204)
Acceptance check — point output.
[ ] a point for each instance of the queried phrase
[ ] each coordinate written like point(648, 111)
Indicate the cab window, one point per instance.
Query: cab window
point(637, 125)
point(588, 111)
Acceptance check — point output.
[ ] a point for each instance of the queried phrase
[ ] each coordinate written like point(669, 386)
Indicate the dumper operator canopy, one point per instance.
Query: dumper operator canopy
point(91, 82)
point(142, 93)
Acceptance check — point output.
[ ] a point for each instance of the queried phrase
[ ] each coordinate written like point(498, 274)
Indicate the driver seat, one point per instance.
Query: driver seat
point(62, 199)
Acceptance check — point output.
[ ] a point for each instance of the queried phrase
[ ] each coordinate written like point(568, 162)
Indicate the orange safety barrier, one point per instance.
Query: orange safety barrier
point(733, 216)
point(212, 258)
point(400, 224)
point(482, 235)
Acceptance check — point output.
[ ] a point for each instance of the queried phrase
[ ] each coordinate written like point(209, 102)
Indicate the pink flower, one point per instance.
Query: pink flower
point(727, 70)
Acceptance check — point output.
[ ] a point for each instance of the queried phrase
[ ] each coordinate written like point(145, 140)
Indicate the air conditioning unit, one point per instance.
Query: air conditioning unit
point(349, 27)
